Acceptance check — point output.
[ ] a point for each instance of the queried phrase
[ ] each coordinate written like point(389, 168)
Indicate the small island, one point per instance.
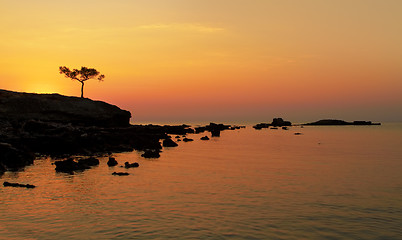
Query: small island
point(335, 122)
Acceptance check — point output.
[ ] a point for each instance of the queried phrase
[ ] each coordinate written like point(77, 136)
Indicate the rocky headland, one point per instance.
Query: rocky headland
point(58, 126)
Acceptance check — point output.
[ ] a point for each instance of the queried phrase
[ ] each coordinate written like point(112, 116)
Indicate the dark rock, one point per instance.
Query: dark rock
point(273, 128)
point(2, 168)
point(13, 158)
point(200, 129)
point(120, 173)
point(205, 138)
point(365, 123)
point(168, 142)
point(297, 133)
point(279, 122)
point(88, 162)
point(151, 154)
point(215, 132)
point(131, 165)
point(260, 126)
point(67, 166)
point(112, 162)
point(179, 140)
point(178, 129)
point(336, 122)
point(187, 140)
point(285, 128)
point(177, 137)
point(8, 184)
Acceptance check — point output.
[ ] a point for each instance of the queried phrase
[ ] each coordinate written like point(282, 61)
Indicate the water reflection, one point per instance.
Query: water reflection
point(246, 184)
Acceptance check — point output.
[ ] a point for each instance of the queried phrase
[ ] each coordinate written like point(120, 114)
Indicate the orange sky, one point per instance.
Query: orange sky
point(212, 60)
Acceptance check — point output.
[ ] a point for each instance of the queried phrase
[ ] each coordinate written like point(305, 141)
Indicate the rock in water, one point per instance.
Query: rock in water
point(215, 133)
point(205, 138)
point(112, 162)
point(279, 122)
point(88, 162)
point(151, 154)
point(120, 173)
point(131, 165)
point(67, 166)
point(8, 184)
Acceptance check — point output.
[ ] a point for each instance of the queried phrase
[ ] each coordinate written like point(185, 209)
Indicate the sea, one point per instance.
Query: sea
point(328, 182)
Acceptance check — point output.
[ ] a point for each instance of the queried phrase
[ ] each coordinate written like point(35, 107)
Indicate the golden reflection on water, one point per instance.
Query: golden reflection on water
point(329, 182)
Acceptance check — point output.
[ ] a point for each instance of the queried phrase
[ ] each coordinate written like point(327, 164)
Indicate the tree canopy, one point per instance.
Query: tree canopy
point(81, 75)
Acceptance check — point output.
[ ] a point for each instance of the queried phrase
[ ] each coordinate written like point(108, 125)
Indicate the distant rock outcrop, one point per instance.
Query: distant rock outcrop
point(276, 122)
point(56, 108)
point(336, 122)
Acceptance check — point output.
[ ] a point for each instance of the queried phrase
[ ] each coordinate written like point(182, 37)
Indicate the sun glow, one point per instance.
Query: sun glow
point(161, 56)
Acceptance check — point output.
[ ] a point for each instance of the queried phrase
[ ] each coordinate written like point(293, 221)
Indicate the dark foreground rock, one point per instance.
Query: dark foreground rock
point(8, 184)
point(13, 158)
point(188, 139)
point(336, 122)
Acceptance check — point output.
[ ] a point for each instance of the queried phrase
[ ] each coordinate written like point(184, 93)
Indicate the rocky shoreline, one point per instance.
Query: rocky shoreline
point(33, 125)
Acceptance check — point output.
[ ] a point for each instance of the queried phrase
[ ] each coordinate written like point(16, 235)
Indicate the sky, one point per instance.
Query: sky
point(183, 61)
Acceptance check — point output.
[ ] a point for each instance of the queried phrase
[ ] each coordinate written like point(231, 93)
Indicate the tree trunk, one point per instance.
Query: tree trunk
point(82, 89)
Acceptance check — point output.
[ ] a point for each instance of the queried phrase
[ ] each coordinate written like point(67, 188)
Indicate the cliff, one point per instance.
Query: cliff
point(16, 106)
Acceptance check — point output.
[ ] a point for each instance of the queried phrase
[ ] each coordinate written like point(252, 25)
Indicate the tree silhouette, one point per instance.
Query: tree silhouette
point(81, 75)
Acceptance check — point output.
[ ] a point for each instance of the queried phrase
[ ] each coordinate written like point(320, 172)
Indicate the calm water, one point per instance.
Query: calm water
point(329, 183)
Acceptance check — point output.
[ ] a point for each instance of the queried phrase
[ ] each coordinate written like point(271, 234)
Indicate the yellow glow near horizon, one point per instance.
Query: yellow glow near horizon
point(265, 56)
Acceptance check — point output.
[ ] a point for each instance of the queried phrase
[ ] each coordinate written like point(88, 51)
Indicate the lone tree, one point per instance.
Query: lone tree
point(81, 75)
